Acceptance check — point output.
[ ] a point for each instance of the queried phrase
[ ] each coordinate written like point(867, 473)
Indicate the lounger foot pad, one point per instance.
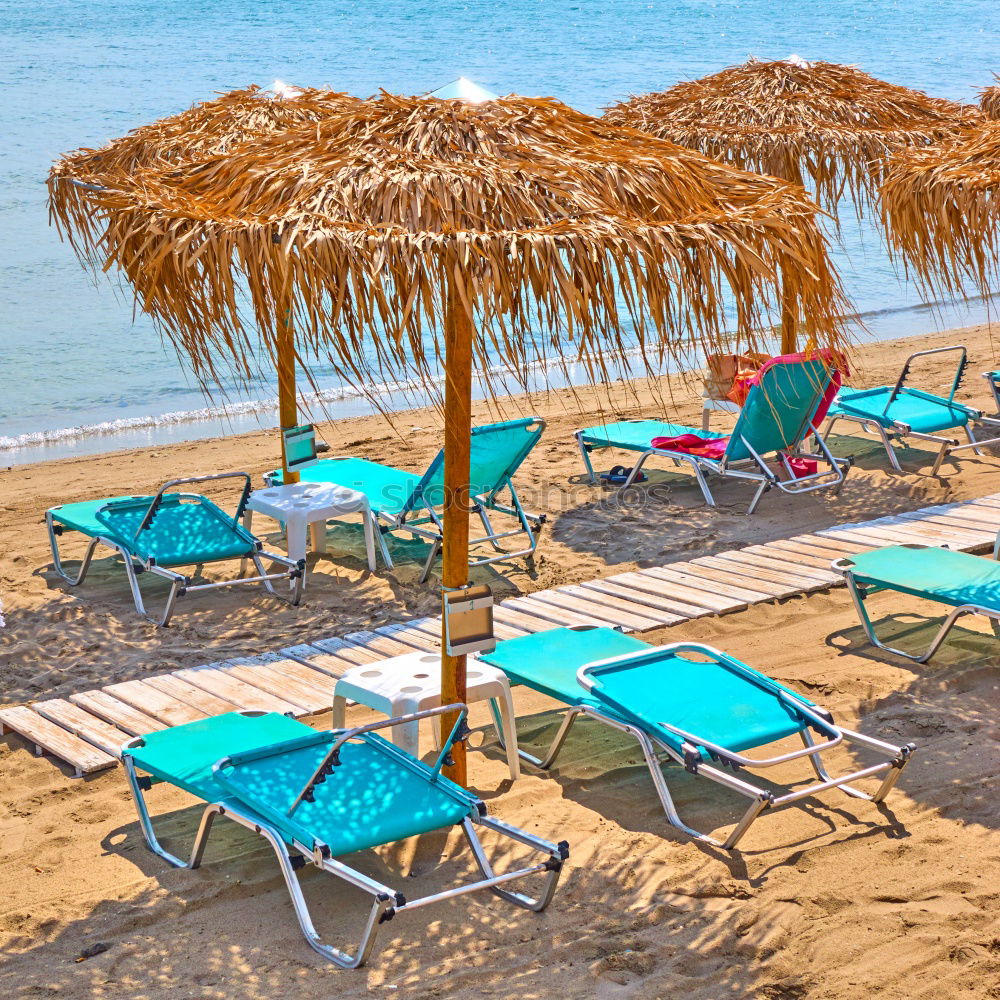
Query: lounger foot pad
point(375, 796)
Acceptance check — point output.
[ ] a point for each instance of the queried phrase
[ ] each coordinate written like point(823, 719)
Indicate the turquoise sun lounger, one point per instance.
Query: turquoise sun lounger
point(969, 585)
point(902, 411)
point(775, 420)
point(405, 501)
point(316, 796)
point(173, 528)
point(698, 706)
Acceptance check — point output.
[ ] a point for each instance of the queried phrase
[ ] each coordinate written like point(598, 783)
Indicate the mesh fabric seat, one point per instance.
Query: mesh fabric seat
point(173, 528)
point(700, 707)
point(316, 796)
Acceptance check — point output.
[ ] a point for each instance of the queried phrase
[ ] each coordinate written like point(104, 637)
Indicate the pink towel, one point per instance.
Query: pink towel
point(692, 444)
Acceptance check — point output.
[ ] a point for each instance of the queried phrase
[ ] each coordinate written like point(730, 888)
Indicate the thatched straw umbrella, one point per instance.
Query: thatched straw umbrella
point(371, 232)
point(211, 128)
point(829, 126)
point(941, 207)
point(989, 100)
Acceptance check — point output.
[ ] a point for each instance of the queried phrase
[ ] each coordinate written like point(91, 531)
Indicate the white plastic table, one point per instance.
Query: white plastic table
point(411, 683)
point(305, 508)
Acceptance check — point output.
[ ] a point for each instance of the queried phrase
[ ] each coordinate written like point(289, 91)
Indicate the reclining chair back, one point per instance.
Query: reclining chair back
point(496, 453)
point(780, 408)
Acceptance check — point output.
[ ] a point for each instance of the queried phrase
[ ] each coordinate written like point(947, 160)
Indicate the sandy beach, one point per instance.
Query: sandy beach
point(840, 899)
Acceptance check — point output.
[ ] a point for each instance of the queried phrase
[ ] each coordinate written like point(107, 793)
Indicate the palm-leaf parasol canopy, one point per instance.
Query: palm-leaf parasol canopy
point(989, 100)
point(829, 126)
point(383, 236)
point(941, 208)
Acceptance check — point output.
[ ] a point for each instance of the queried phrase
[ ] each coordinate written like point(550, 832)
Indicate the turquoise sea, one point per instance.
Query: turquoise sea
point(78, 374)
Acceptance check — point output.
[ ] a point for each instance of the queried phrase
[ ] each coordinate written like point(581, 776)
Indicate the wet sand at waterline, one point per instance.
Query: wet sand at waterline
point(839, 899)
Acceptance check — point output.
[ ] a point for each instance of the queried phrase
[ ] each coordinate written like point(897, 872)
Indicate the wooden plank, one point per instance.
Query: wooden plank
point(762, 555)
point(512, 616)
point(46, 736)
point(417, 633)
point(804, 578)
point(973, 519)
point(880, 538)
point(728, 575)
point(695, 578)
point(906, 533)
point(658, 606)
point(977, 534)
point(642, 580)
point(348, 651)
point(266, 672)
point(610, 610)
point(88, 727)
point(792, 554)
point(666, 581)
point(117, 712)
point(550, 616)
point(155, 702)
point(383, 646)
point(793, 551)
point(247, 696)
point(752, 575)
point(322, 660)
point(836, 546)
point(180, 689)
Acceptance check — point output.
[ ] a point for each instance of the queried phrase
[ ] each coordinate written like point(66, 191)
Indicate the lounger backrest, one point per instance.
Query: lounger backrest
point(780, 407)
point(496, 453)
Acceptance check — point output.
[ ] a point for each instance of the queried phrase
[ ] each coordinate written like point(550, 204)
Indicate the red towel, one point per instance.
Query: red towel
point(692, 444)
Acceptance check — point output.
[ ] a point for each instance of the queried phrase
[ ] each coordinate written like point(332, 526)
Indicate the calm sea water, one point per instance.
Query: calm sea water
point(73, 74)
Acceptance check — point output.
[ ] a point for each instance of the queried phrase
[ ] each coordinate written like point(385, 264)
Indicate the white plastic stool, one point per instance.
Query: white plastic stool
point(412, 682)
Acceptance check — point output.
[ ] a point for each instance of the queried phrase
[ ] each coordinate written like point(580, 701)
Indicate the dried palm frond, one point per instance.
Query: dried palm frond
point(212, 127)
point(941, 207)
point(829, 126)
point(554, 226)
point(989, 100)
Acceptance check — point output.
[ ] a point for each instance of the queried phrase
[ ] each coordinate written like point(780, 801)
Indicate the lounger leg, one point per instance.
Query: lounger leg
point(586, 459)
point(146, 823)
point(57, 561)
point(554, 865)
point(428, 565)
point(761, 490)
point(890, 451)
point(383, 546)
point(297, 578)
point(976, 450)
point(541, 762)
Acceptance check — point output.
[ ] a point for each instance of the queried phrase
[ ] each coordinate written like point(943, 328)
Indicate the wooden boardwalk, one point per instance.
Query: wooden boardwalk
point(87, 730)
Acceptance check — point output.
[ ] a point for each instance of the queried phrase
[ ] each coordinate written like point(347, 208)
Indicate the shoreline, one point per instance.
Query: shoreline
point(342, 402)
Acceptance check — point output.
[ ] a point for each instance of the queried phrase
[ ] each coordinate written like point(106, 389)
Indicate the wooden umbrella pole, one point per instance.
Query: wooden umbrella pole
point(789, 298)
point(459, 331)
point(287, 404)
point(789, 315)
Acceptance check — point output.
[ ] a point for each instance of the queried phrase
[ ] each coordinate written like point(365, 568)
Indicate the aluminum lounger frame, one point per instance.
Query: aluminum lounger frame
point(751, 465)
point(423, 521)
point(993, 381)
point(860, 591)
point(764, 475)
point(294, 572)
point(530, 526)
point(888, 430)
point(653, 750)
point(386, 902)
